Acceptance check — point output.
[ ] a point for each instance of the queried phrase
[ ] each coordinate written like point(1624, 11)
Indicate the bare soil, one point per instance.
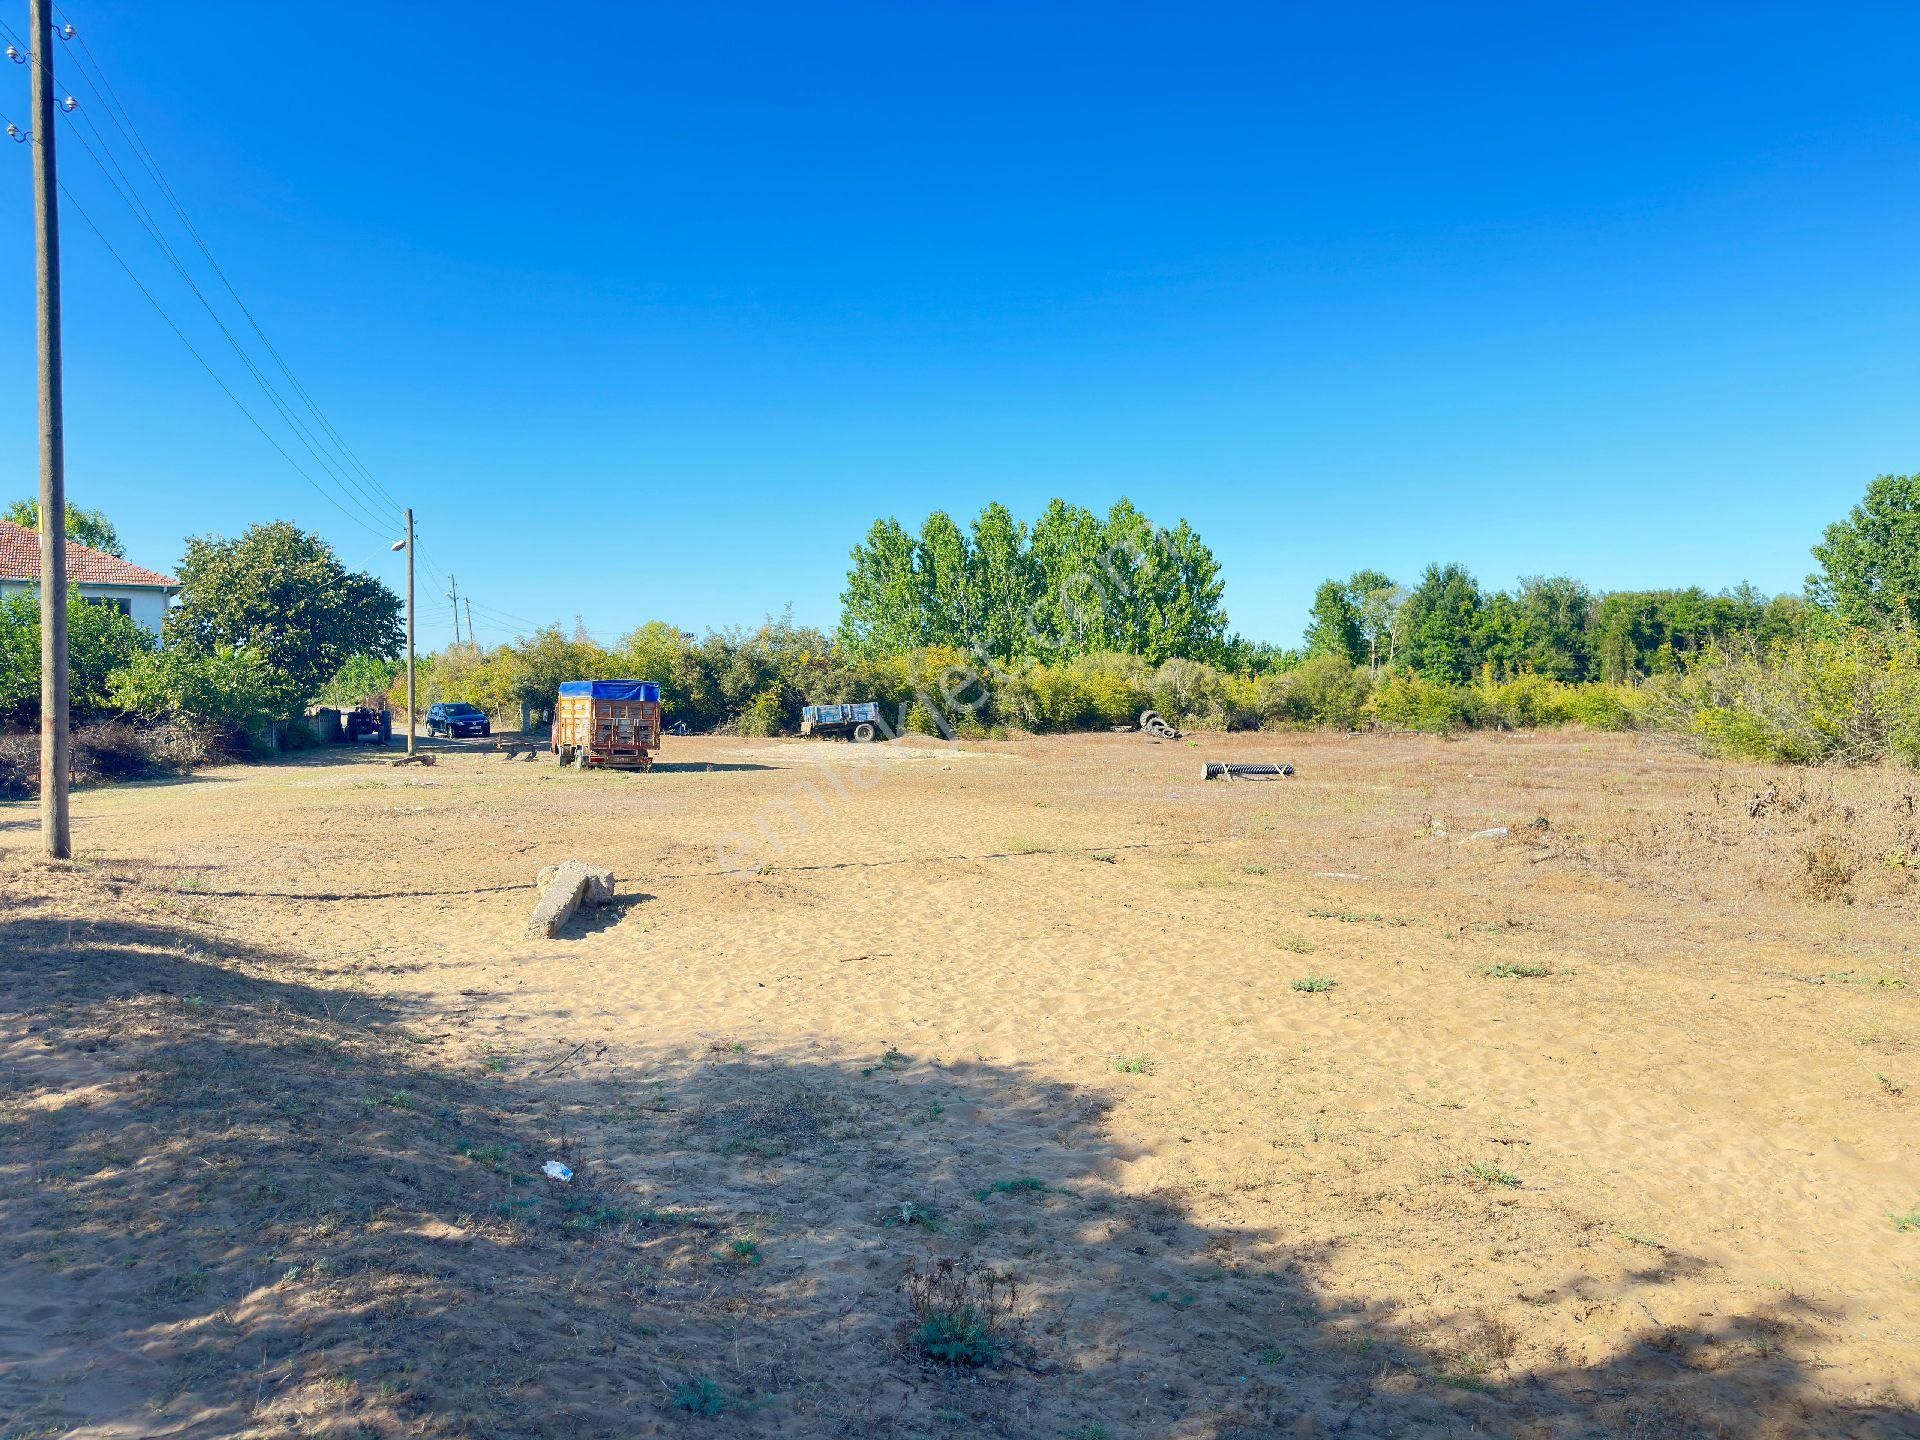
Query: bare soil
point(1600, 1126)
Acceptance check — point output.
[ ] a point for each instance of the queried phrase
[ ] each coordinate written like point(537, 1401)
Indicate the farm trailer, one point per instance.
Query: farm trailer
point(844, 722)
point(606, 723)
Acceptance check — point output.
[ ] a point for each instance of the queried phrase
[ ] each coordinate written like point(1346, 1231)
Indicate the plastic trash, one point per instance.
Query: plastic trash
point(554, 1170)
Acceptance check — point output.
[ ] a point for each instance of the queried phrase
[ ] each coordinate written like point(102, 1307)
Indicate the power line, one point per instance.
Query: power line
point(140, 212)
point(239, 404)
point(88, 67)
point(357, 485)
point(44, 64)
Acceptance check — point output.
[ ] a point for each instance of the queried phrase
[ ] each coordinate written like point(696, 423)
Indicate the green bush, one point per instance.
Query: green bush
point(1116, 687)
point(1847, 699)
point(1323, 690)
point(1407, 702)
point(1188, 692)
point(365, 677)
point(1600, 706)
point(1044, 697)
point(225, 689)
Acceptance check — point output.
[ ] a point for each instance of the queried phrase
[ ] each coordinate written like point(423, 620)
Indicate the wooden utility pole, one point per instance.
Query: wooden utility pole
point(54, 740)
point(409, 631)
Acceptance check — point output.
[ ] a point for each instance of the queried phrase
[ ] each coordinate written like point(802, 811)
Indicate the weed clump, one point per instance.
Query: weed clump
point(700, 1396)
point(1315, 984)
point(1485, 1174)
point(912, 1213)
point(963, 1312)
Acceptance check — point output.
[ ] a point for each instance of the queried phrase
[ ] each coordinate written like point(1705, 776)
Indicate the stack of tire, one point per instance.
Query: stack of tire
point(1152, 724)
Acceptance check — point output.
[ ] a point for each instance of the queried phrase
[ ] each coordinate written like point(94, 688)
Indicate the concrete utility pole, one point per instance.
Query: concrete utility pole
point(453, 594)
point(409, 630)
point(54, 740)
point(470, 639)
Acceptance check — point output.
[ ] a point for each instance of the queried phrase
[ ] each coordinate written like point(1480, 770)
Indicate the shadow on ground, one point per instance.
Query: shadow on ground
point(238, 1204)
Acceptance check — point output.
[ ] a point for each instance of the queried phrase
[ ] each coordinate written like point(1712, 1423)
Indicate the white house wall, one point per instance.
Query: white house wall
point(147, 606)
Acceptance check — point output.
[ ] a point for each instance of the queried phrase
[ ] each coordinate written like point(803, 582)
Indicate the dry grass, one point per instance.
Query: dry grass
point(272, 1164)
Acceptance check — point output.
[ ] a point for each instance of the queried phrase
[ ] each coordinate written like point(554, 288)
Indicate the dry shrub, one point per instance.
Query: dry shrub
point(964, 1313)
point(105, 751)
point(19, 764)
point(779, 1116)
point(1827, 870)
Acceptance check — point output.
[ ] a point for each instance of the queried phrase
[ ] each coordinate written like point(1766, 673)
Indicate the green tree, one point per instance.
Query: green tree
point(1502, 635)
point(1556, 612)
point(1441, 624)
point(100, 640)
point(1068, 615)
point(1333, 625)
point(1870, 562)
point(942, 568)
point(1376, 601)
point(652, 651)
point(1187, 620)
point(1002, 580)
point(91, 528)
point(279, 593)
point(1075, 584)
point(880, 609)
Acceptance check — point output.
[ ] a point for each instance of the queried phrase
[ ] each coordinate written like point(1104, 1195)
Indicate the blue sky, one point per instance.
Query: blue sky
point(649, 310)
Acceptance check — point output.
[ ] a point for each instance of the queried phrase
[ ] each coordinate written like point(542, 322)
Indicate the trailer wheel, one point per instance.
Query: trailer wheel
point(863, 732)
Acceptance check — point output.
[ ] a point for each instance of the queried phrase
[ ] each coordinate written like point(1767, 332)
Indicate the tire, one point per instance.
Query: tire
point(863, 732)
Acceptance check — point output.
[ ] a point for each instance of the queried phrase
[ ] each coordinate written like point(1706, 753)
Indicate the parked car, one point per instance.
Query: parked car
point(456, 718)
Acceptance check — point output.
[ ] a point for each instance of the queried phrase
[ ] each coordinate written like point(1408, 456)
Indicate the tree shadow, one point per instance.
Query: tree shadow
point(698, 767)
point(240, 1203)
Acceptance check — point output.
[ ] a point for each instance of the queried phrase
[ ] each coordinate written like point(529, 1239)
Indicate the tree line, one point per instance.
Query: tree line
point(1071, 583)
point(1075, 620)
point(1446, 628)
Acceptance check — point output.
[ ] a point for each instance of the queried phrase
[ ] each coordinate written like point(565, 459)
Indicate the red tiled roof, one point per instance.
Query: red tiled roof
point(20, 560)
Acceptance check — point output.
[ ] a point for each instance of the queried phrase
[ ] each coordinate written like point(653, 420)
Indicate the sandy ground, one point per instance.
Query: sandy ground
point(1602, 1126)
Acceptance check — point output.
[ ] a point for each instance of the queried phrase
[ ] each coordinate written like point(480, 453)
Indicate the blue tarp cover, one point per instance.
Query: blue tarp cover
point(613, 689)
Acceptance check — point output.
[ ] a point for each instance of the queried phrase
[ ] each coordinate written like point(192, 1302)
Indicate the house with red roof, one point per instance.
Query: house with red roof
point(100, 578)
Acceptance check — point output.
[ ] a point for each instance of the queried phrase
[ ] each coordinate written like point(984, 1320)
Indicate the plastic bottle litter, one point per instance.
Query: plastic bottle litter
point(554, 1170)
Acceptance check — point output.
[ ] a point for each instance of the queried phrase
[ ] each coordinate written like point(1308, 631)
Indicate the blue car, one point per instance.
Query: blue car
point(456, 718)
